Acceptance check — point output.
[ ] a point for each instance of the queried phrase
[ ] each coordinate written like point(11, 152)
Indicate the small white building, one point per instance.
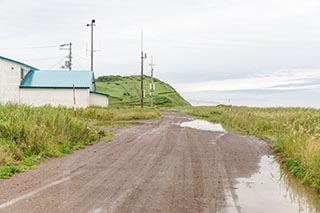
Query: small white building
point(24, 84)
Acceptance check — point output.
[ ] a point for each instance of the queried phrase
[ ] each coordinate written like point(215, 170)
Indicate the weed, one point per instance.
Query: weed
point(294, 132)
point(31, 134)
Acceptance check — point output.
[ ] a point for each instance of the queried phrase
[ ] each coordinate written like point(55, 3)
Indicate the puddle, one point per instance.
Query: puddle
point(270, 190)
point(203, 125)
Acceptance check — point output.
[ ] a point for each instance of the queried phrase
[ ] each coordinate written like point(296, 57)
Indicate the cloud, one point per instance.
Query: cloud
point(190, 40)
point(281, 80)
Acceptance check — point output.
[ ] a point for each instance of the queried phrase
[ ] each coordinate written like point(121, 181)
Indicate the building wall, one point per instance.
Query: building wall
point(98, 100)
point(11, 75)
point(10, 78)
point(54, 97)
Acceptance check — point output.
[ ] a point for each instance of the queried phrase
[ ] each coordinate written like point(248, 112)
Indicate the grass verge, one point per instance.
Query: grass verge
point(29, 135)
point(294, 133)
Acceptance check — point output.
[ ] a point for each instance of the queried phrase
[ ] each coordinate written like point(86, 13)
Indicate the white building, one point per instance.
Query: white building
point(24, 84)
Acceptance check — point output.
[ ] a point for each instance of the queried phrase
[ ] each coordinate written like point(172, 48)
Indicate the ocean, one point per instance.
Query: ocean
point(309, 98)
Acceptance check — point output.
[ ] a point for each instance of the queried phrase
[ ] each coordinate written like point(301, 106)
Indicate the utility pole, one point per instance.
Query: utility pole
point(68, 64)
point(93, 23)
point(152, 86)
point(143, 57)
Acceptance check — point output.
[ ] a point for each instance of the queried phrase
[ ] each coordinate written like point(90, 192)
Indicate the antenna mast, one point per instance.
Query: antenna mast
point(68, 63)
point(152, 85)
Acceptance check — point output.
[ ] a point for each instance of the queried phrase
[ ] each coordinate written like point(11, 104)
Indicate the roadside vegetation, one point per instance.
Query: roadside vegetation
point(294, 134)
point(126, 90)
point(29, 135)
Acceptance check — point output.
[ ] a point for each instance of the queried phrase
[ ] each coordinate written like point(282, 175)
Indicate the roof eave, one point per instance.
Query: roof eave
point(18, 62)
point(52, 87)
point(100, 93)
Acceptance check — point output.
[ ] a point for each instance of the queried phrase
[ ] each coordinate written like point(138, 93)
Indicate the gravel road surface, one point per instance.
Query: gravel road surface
point(154, 167)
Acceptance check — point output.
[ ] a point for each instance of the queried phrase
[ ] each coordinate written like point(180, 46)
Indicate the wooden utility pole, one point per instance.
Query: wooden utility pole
point(143, 57)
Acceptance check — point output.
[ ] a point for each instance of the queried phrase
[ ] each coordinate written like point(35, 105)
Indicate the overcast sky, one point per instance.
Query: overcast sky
point(197, 45)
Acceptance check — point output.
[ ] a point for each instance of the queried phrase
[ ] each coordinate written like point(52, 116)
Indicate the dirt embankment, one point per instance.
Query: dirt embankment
point(154, 167)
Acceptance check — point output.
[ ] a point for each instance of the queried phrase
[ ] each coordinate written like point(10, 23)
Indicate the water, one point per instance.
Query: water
point(269, 190)
point(203, 125)
point(272, 190)
point(258, 98)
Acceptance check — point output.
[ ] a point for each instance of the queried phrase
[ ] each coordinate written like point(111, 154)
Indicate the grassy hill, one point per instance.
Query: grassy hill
point(126, 90)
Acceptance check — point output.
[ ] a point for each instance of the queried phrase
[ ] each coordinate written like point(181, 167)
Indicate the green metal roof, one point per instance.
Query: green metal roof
point(17, 62)
point(58, 79)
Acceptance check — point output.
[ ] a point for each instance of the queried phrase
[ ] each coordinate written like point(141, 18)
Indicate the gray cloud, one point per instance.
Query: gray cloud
point(190, 40)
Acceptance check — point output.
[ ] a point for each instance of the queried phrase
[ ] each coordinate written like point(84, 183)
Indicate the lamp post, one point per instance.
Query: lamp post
point(93, 23)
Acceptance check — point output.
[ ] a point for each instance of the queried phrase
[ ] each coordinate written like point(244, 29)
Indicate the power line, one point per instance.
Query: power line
point(56, 63)
point(80, 64)
point(133, 73)
point(40, 59)
point(28, 48)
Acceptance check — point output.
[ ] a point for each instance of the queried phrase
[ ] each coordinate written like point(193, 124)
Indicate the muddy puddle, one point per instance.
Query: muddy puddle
point(272, 190)
point(269, 190)
point(203, 125)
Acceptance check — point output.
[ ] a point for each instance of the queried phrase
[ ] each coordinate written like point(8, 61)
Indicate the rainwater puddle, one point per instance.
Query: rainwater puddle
point(203, 125)
point(271, 190)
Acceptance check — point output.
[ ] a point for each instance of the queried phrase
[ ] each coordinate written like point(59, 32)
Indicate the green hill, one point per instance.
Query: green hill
point(126, 90)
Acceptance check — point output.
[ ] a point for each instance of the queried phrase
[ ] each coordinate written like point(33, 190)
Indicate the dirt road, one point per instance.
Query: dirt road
point(154, 167)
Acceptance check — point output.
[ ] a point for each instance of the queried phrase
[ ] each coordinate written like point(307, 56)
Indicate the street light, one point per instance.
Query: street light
point(93, 23)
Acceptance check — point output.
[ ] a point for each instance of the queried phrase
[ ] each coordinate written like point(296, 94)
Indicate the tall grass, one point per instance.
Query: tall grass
point(29, 135)
point(294, 133)
point(119, 113)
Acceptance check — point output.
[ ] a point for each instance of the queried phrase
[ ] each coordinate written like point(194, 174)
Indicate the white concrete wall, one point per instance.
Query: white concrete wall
point(54, 97)
point(10, 81)
point(98, 100)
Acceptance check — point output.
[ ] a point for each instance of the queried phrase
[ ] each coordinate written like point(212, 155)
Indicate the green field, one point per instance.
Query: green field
point(126, 90)
point(29, 135)
point(294, 134)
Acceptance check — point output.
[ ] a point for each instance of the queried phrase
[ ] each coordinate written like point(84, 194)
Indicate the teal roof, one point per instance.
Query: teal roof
point(17, 62)
point(99, 93)
point(58, 79)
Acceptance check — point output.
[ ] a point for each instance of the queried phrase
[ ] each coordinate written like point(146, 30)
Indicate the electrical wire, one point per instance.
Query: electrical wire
point(40, 59)
point(28, 48)
point(79, 63)
point(57, 63)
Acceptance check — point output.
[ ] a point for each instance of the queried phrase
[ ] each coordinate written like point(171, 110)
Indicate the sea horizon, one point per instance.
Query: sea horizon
point(306, 98)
